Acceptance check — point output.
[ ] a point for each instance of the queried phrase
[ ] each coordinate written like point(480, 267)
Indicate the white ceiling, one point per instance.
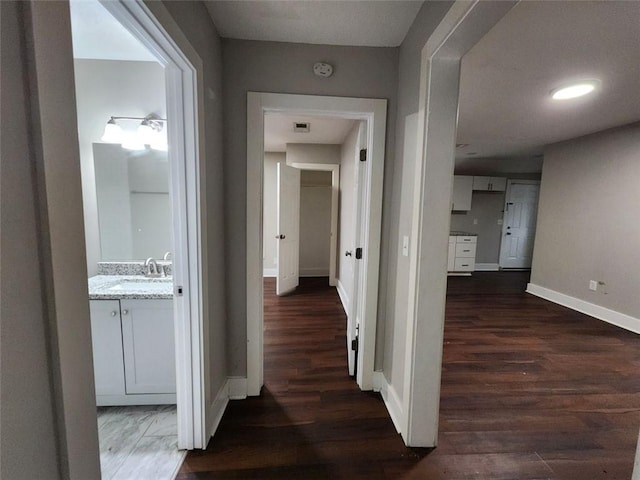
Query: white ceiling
point(505, 107)
point(380, 23)
point(278, 131)
point(98, 35)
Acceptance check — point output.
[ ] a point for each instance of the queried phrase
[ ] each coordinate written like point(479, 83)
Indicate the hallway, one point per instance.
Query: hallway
point(530, 390)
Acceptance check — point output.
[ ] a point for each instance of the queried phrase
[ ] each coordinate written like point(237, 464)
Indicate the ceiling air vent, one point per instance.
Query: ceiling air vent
point(301, 127)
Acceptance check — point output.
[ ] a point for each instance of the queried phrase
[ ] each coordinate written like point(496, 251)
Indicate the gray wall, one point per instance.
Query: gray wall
point(313, 153)
point(287, 68)
point(106, 88)
point(399, 198)
point(315, 223)
point(28, 444)
point(194, 20)
point(588, 226)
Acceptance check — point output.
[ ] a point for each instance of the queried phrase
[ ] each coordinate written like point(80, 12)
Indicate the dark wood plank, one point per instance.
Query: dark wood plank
point(530, 390)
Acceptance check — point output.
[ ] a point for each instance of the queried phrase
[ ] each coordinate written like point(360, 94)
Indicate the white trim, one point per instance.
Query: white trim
point(390, 397)
point(618, 319)
point(487, 267)
point(218, 407)
point(270, 272)
point(237, 388)
point(374, 111)
point(344, 298)
point(335, 195)
point(183, 70)
point(314, 272)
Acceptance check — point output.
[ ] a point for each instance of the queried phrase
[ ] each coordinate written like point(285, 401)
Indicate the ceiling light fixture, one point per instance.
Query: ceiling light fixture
point(575, 90)
point(150, 132)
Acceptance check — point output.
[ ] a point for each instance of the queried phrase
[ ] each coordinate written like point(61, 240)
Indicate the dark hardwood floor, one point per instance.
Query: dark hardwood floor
point(530, 390)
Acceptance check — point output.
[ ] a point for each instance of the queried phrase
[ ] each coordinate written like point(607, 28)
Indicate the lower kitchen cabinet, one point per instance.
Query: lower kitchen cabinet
point(462, 254)
point(133, 351)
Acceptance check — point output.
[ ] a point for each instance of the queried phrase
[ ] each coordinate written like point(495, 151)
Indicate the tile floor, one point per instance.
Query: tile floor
point(139, 442)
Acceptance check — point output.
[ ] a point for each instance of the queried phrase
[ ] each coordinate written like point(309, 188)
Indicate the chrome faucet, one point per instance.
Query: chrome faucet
point(151, 268)
point(168, 256)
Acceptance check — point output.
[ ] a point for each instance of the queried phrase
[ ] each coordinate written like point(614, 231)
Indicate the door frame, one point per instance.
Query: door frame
point(461, 28)
point(374, 111)
point(158, 32)
point(335, 193)
point(504, 211)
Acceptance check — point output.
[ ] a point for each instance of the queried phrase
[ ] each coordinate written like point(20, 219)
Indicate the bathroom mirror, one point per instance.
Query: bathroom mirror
point(134, 206)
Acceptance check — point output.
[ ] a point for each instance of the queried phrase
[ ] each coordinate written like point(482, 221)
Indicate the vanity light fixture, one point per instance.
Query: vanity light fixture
point(150, 132)
point(575, 90)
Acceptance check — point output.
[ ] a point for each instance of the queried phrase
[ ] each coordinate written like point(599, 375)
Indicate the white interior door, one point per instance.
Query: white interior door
point(519, 225)
point(287, 250)
point(357, 293)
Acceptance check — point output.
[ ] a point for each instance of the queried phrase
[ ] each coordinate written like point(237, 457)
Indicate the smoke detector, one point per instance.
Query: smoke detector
point(300, 127)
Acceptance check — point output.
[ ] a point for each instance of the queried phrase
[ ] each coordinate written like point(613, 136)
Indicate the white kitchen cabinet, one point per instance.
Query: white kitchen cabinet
point(462, 192)
point(490, 184)
point(106, 338)
point(149, 346)
point(462, 254)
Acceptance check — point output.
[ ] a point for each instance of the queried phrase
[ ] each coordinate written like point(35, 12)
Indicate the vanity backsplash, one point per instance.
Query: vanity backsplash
point(130, 268)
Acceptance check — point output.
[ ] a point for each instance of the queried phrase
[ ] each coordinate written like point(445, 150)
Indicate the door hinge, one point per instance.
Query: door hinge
point(354, 344)
point(363, 155)
point(358, 253)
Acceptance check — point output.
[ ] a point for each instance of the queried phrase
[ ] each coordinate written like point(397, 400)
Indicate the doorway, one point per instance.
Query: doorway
point(182, 268)
point(373, 112)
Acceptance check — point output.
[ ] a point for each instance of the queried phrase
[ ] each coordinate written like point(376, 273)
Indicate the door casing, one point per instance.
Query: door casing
point(374, 112)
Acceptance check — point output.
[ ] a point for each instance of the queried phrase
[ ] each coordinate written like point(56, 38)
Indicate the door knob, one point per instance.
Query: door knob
point(113, 314)
point(125, 312)
point(280, 237)
point(347, 253)
point(508, 233)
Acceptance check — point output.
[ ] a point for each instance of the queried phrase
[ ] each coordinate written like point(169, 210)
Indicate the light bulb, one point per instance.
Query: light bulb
point(132, 142)
point(145, 133)
point(112, 132)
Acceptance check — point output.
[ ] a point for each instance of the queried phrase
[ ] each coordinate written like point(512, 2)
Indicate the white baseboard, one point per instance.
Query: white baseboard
point(237, 388)
point(217, 407)
point(269, 272)
point(601, 313)
point(344, 298)
point(314, 272)
point(487, 267)
point(390, 397)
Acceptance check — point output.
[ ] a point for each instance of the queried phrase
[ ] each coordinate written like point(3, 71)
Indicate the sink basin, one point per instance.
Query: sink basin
point(149, 286)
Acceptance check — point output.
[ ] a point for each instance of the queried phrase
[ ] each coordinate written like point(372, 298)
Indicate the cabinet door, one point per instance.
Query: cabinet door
point(462, 191)
point(481, 183)
point(149, 346)
point(498, 184)
point(106, 338)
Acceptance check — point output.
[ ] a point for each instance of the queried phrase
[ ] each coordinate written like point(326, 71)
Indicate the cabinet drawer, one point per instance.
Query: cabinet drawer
point(465, 250)
point(464, 264)
point(467, 239)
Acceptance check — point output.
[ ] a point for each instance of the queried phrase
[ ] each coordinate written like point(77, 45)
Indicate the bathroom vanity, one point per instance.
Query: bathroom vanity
point(132, 332)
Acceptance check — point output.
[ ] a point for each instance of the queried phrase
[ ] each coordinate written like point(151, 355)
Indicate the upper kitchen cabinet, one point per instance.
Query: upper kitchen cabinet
point(490, 184)
point(462, 191)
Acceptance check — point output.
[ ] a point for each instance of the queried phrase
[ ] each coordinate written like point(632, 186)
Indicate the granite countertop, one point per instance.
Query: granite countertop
point(463, 234)
point(114, 287)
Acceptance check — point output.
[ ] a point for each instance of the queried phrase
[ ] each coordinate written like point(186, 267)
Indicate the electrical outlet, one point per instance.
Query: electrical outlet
point(475, 221)
point(499, 221)
point(593, 285)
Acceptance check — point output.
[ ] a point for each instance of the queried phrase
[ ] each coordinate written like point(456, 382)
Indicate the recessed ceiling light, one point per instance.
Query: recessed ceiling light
point(575, 90)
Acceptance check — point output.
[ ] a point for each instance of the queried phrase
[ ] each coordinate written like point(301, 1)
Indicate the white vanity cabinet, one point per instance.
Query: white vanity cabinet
point(133, 351)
